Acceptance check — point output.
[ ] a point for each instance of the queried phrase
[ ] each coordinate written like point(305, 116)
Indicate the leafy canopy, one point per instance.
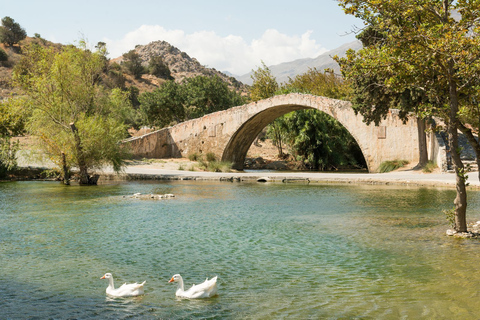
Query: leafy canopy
point(11, 32)
point(62, 87)
point(427, 52)
point(264, 84)
point(176, 102)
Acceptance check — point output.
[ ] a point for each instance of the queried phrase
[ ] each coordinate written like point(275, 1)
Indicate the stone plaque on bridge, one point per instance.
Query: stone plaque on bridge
point(382, 132)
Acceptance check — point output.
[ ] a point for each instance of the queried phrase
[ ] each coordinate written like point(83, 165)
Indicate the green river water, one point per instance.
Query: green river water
point(281, 251)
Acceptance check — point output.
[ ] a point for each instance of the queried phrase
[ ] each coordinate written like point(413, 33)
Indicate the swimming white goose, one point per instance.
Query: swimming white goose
point(206, 289)
point(125, 290)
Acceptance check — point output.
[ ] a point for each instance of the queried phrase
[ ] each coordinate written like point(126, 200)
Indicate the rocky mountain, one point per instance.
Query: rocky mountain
point(181, 65)
point(291, 69)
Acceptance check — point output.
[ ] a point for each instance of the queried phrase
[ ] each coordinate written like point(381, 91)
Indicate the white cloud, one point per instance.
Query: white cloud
point(231, 53)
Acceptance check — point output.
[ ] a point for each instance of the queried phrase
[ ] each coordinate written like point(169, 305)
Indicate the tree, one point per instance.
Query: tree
point(205, 95)
point(12, 117)
point(163, 106)
point(319, 141)
point(264, 84)
point(11, 32)
point(78, 122)
point(158, 68)
point(320, 83)
point(133, 63)
point(366, 93)
point(194, 97)
point(426, 53)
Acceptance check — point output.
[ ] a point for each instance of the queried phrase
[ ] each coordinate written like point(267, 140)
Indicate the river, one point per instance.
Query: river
point(280, 251)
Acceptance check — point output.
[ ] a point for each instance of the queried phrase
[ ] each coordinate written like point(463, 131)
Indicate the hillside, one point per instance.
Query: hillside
point(291, 69)
point(181, 66)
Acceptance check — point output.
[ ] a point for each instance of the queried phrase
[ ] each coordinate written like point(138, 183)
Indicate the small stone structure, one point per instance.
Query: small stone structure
point(229, 133)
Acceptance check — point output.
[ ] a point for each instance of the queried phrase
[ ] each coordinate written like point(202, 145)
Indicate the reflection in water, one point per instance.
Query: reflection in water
point(280, 251)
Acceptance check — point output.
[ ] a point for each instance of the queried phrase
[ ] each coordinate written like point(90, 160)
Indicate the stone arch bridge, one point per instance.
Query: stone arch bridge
point(229, 133)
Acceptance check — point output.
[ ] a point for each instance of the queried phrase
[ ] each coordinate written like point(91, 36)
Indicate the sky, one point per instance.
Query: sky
point(234, 36)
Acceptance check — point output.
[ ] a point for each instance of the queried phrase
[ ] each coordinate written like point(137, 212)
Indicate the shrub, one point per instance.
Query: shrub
point(450, 216)
point(211, 157)
point(388, 166)
point(194, 157)
point(3, 55)
point(219, 166)
point(158, 68)
point(133, 64)
point(8, 160)
point(429, 167)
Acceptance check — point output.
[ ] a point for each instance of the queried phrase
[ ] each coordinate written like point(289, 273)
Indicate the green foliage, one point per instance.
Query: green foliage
point(12, 123)
point(318, 140)
point(219, 166)
point(176, 102)
point(158, 68)
point(450, 216)
point(210, 156)
point(163, 106)
point(204, 95)
point(11, 32)
point(114, 77)
point(70, 112)
point(13, 114)
point(319, 83)
point(418, 51)
point(194, 156)
point(3, 55)
point(121, 106)
point(264, 84)
point(133, 64)
point(215, 166)
point(429, 167)
point(8, 160)
point(388, 166)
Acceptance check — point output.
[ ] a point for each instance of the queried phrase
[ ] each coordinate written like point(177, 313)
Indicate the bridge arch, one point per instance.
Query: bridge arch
point(229, 133)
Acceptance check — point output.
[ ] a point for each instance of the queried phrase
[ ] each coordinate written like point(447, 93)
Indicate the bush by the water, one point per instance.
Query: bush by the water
point(388, 166)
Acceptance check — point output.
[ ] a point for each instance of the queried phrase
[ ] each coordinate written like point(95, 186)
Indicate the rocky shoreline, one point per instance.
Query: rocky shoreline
point(473, 231)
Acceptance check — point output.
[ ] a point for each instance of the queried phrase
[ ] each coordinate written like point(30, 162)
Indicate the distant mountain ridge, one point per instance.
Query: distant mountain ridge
point(283, 71)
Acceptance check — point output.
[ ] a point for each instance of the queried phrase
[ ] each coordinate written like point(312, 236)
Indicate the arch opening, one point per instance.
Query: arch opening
point(241, 141)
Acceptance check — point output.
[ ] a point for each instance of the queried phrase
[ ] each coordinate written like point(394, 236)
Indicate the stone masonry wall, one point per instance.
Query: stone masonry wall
point(228, 134)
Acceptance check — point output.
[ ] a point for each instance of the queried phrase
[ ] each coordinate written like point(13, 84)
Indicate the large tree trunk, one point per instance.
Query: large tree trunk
point(460, 201)
point(65, 170)
point(82, 164)
point(422, 142)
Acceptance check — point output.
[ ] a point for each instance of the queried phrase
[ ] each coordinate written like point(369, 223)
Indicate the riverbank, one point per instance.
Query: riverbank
point(178, 169)
point(184, 169)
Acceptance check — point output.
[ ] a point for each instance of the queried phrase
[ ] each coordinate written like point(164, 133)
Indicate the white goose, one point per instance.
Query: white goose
point(125, 290)
point(206, 289)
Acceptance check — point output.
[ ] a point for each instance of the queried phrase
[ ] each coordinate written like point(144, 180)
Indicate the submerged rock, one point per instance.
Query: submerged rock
point(153, 196)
